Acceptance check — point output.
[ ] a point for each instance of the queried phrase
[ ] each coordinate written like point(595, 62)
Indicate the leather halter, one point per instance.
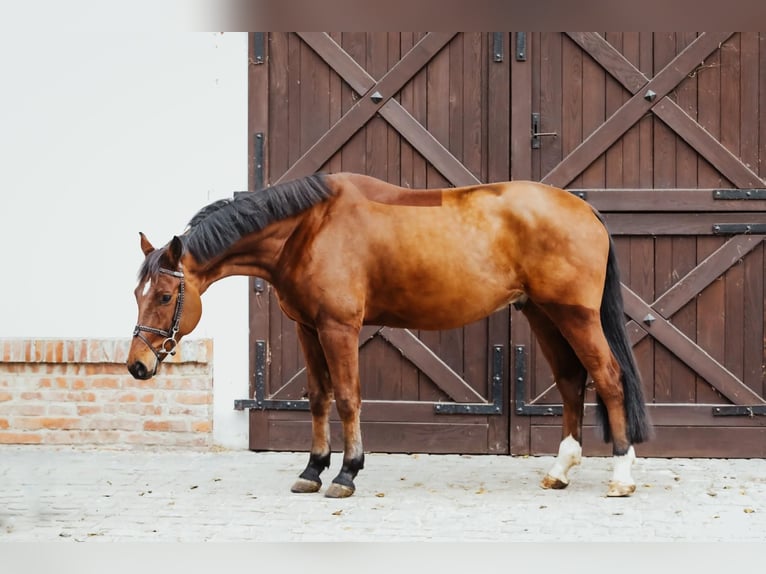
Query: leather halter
point(168, 346)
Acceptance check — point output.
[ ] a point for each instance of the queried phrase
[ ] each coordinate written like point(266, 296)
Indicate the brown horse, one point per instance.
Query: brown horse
point(346, 250)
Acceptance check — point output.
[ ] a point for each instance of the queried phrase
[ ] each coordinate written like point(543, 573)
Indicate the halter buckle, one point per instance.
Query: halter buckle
point(169, 345)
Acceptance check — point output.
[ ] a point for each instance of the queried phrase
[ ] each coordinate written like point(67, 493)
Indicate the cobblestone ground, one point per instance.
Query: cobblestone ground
point(59, 494)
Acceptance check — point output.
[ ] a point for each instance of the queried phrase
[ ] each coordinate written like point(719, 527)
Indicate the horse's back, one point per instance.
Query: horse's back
point(416, 254)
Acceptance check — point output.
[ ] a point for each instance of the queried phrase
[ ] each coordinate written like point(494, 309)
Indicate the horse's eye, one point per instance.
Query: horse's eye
point(166, 297)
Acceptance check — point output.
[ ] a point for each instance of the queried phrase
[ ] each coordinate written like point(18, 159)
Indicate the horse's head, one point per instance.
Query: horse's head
point(169, 307)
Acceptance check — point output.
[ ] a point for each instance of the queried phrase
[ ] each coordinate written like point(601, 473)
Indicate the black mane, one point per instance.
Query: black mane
point(217, 226)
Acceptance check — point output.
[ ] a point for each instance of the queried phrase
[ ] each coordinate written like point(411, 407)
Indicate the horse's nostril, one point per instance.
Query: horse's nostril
point(138, 370)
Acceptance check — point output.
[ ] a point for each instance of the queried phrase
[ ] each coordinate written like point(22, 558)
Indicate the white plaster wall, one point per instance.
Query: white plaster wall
point(111, 123)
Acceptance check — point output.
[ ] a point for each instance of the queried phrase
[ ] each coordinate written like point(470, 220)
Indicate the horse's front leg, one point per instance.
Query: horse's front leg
point(320, 395)
point(341, 349)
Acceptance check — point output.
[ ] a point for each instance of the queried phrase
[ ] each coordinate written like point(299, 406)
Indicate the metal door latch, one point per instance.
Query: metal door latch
point(536, 133)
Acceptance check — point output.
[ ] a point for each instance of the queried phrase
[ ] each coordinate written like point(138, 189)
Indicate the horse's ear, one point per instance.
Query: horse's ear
point(146, 247)
point(175, 250)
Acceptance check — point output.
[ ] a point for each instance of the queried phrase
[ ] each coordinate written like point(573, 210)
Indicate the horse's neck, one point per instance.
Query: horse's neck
point(254, 255)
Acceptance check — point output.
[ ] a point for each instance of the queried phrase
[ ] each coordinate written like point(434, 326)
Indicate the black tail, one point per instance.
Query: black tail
point(613, 323)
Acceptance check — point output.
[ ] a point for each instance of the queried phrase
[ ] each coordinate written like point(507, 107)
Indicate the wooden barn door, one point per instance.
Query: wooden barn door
point(418, 110)
point(664, 133)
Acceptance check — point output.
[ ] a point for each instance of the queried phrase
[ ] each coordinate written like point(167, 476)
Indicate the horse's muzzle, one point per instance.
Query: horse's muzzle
point(139, 371)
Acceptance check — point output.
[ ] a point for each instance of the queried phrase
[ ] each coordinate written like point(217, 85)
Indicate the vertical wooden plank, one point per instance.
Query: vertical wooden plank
point(438, 107)
point(294, 45)
point(535, 66)
point(451, 348)
point(631, 158)
point(615, 96)
point(664, 278)
point(474, 89)
point(473, 109)
point(406, 99)
point(749, 120)
point(552, 103)
point(354, 153)
point(754, 297)
point(455, 103)
point(260, 78)
point(522, 90)
point(664, 150)
point(593, 116)
point(393, 168)
point(315, 101)
point(499, 107)
point(335, 163)
point(664, 137)
point(436, 119)
point(495, 160)
point(278, 85)
point(731, 102)
point(571, 101)
point(710, 303)
point(684, 249)
point(646, 124)
point(407, 373)
point(377, 129)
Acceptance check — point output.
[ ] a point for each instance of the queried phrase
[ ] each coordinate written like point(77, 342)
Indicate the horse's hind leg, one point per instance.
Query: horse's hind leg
point(320, 395)
point(570, 377)
point(582, 328)
point(341, 347)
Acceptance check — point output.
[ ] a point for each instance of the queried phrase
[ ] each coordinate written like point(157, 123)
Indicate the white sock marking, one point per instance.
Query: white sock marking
point(622, 466)
point(570, 454)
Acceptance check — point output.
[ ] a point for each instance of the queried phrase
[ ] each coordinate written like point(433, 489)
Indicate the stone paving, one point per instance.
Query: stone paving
point(80, 494)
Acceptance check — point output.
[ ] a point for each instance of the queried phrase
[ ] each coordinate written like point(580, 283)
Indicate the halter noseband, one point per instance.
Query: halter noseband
point(168, 346)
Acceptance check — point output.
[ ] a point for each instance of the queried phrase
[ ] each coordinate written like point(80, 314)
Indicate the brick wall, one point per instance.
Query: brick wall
point(78, 391)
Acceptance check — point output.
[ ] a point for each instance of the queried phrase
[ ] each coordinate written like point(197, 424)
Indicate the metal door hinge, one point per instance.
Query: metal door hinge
point(521, 46)
point(738, 228)
point(740, 411)
point(739, 194)
point(258, 160)
point(494, 406)
point(520, 375)
point(498, 48)
point(259, 47)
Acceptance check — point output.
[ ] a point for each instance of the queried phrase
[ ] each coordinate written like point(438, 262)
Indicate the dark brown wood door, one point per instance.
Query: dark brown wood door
point(664, 133)
point(419, 110)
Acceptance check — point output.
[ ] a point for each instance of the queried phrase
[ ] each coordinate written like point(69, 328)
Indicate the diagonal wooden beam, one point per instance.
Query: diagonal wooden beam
point(391, 110)
point(371, 101)
point(429, 363)
point(632, 79)
point(687, 288)
point(634, 109)
point(427, 145)
point(690, 353)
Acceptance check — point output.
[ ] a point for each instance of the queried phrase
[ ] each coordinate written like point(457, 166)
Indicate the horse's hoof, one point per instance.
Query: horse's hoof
point(617, 489)
point(303, 486)
point(339, 491)
point(555, 483)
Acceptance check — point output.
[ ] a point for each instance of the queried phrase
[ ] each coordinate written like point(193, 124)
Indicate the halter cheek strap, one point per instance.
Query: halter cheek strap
point(168, 346)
